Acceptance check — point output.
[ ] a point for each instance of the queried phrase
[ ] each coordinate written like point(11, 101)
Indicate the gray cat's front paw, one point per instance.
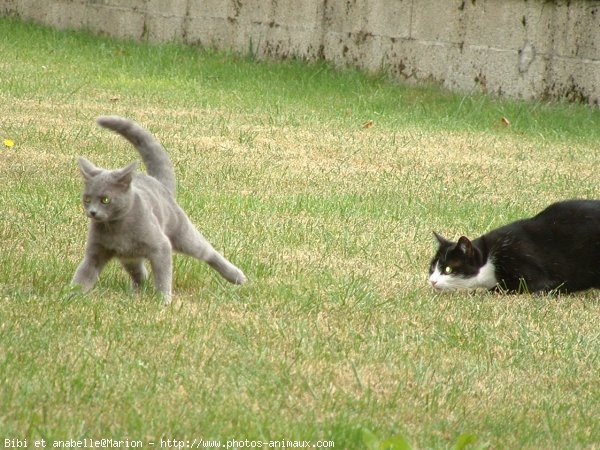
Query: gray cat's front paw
point(166, 299)
point(72, 291)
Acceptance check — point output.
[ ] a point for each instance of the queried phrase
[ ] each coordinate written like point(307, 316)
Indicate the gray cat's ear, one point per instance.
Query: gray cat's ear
point(87, 169)
point(124, 176)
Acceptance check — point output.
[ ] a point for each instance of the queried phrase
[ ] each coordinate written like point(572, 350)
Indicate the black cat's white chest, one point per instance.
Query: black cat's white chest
point(484, 278)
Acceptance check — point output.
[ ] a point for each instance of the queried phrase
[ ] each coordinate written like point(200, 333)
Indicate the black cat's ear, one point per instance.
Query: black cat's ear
point(87, 169)
point(465, 245)
point(124, 176)
point(441, 239)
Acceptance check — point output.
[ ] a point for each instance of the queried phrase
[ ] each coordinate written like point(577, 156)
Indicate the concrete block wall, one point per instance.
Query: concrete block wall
point(517, 48)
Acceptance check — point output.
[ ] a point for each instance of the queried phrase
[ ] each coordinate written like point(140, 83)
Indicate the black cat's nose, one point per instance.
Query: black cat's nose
point(433, 283)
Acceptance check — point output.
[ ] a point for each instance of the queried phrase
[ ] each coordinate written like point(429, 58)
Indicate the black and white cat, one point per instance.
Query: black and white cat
point(558, 250)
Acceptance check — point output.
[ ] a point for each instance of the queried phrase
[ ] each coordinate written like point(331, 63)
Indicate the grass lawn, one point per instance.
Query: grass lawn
point(324, 186)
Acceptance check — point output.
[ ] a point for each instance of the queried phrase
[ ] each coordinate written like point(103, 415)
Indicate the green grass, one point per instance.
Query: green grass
point(337, 336)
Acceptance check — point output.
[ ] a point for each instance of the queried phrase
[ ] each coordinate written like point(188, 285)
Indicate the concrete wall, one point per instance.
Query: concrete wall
point(517, 48)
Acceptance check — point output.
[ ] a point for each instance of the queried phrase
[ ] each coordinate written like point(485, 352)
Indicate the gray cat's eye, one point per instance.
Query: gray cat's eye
point(87, 199)
point(105, 200)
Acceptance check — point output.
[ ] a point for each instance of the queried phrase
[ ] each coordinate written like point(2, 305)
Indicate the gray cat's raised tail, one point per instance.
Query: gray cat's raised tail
point(153, 154)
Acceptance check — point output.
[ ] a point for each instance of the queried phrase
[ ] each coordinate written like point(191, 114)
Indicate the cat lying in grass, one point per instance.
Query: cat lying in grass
point(558, 250)
point(134, 216)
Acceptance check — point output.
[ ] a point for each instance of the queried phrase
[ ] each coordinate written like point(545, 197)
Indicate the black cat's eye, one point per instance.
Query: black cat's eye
point(87, 199)
point(105, 200)
point(448, 270)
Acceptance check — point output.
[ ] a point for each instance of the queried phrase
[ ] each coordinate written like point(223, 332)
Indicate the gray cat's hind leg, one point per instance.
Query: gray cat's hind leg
point(227, 270)
point(136, 270)
point(88, 271)
point(192, 243)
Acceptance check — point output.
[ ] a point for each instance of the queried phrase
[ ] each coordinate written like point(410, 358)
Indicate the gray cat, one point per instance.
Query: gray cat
point(134, 216)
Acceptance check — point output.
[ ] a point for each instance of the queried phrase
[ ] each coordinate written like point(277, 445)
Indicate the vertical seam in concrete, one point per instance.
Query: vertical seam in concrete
point(186, 22)
point(547, 74)
point(410, 20)
point(321, 49)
